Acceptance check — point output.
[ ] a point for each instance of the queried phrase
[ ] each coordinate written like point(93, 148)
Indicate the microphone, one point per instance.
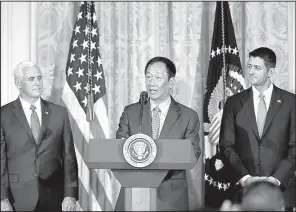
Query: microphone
point(143, 97)
point(143, 101)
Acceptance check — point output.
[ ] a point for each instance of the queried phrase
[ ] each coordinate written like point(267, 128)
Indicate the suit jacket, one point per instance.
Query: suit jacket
point(271, 155)
point(181, 122)
point(47, 170)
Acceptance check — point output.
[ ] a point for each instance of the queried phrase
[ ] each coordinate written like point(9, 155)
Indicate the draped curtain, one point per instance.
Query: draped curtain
point(133, 32)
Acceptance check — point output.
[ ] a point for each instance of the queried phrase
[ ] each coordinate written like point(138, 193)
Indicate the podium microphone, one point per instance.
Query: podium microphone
point(143, 101)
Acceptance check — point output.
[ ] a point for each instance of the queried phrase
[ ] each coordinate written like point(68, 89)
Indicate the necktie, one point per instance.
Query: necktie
point(35, 124)
point(155, 122)
point(261, 114)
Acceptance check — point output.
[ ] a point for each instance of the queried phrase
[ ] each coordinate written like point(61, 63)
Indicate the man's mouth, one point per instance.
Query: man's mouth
point(153, 91)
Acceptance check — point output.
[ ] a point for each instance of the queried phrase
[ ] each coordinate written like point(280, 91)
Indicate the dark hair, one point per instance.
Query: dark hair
point(262, 195)
point(266, 54)
point(171, 68)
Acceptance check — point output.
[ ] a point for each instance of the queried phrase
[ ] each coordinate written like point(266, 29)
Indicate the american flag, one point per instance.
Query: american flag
point(84, 92)
point(225, 78)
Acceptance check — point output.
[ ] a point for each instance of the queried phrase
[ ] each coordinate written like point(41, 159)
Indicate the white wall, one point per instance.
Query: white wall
point(18, 42)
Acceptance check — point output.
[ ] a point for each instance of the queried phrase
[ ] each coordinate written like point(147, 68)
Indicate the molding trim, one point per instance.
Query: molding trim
point(6, 49)
point(292, 52)
point(33, 31)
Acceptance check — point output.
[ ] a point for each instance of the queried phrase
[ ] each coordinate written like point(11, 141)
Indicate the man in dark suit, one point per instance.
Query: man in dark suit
point(257, 133)
point(174, 121)
point(38, 160)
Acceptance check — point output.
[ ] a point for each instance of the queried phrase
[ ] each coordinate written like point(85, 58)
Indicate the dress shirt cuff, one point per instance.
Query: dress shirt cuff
point(278, 182)
point(243, 179)
point(71, 192)
point(4, 193)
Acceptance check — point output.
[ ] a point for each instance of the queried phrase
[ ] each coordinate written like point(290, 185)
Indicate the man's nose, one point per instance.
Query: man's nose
point(36, 81)
point(152, 81)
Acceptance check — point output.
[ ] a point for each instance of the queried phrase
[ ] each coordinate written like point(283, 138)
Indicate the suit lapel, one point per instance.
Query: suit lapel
point(275, 104)
point(46, 112)
point(19, 113)
point(171, 117)
point(248, 106)
point(146, 120)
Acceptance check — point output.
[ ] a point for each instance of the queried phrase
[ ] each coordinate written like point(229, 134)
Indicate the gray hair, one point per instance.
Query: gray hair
point(19, 70)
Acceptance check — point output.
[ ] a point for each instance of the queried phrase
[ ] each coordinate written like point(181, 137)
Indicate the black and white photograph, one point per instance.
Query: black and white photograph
point(148, 106)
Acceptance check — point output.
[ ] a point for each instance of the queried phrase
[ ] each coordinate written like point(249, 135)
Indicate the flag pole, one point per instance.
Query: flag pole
point(224, 69)
point(90, 97)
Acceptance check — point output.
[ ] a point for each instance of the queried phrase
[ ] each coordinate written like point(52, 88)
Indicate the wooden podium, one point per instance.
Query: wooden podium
point(172, 154)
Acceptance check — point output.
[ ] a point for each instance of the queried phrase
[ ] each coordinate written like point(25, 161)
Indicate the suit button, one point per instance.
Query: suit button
point(36, 156)
point(35, 174)
point(261, 147)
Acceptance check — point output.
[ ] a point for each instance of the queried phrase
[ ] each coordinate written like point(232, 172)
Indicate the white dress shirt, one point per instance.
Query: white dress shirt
point(164, 108)
point(267, 97)
point(26, 107)
point(256, 99)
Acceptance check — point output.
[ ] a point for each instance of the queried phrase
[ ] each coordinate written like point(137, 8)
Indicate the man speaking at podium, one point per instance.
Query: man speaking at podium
point(163, 118)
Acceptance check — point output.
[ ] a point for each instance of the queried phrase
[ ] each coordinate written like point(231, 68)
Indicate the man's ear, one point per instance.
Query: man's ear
point(172, 82)
point(18, 84)
point(271, 72)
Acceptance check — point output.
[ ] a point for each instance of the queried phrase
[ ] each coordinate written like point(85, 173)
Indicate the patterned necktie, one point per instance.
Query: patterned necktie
point(261, 114)
point(155, 122)
point(35, 124)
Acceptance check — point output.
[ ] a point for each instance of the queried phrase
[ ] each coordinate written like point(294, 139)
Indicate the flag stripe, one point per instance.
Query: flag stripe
point(84, 175)
point(97, 132)
point(104, 180)
point(101, 113)
point(76, 111)
point(105, 175)
point(86, 80)
point(100, 189)
point(89, 178)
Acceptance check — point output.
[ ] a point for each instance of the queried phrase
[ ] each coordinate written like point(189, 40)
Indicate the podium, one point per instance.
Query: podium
point(172, 154)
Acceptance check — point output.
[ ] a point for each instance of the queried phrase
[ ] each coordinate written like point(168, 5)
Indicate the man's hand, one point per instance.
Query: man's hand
point(5, 205)
point(272, 180)
point(69, 204)
point(251, 179)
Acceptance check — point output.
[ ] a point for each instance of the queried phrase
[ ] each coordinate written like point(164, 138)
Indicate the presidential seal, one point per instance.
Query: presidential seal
point(139, 150)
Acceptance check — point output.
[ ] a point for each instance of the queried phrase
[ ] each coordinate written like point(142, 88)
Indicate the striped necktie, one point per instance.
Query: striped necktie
point(261, 114)
point(155, 122)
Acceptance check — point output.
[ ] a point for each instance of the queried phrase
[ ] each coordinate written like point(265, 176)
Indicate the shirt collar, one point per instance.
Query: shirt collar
point(267, 93)
point(164, 106)
point(27, 104)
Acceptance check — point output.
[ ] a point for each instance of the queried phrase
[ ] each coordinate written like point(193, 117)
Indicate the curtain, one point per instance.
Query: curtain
point(133, 32)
